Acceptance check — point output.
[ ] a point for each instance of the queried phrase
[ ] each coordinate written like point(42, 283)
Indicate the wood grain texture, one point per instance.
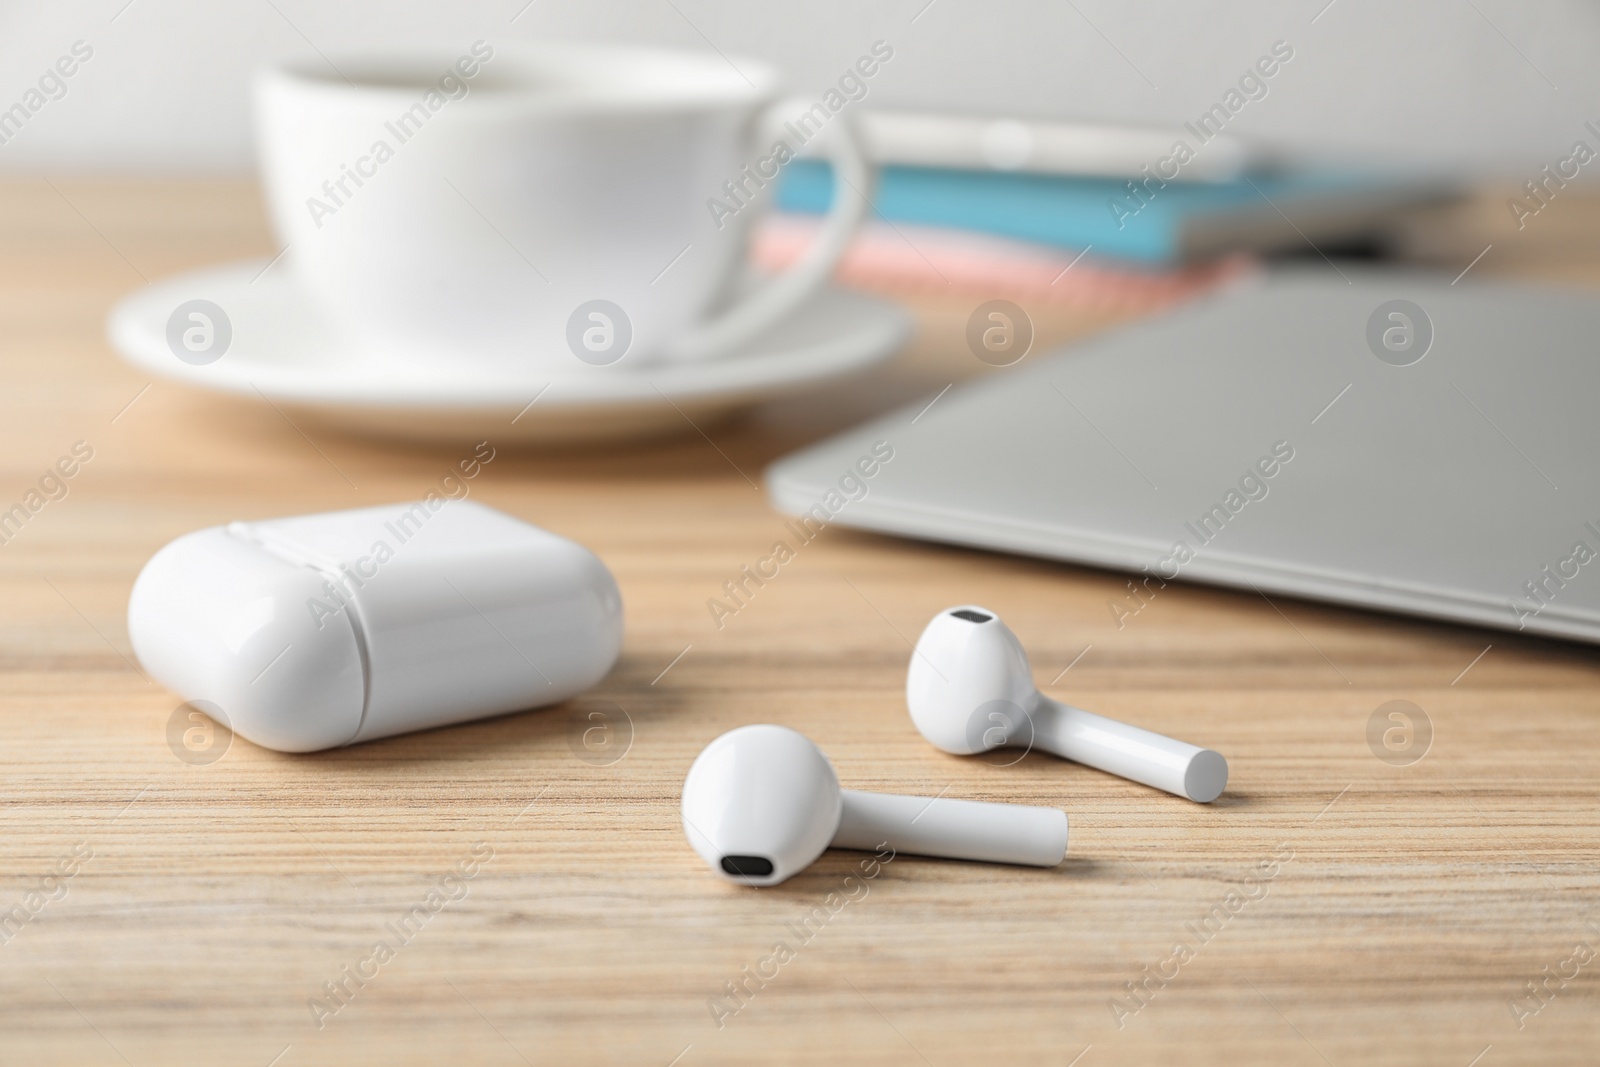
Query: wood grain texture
point(1406, 909)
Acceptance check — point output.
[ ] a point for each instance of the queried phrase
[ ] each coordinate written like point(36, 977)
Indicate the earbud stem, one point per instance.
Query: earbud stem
point(954, 829)
point(1129, 752)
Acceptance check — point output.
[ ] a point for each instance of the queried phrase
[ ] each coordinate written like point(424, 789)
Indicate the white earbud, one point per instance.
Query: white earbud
point(762, 802)
point(970, 689)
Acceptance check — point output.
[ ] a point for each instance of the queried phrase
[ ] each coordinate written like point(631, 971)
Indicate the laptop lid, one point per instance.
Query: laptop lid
point(1374, 438)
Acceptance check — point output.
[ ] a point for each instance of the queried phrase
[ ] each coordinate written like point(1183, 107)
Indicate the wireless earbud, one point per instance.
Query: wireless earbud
point(762, 802)
point(970, 690)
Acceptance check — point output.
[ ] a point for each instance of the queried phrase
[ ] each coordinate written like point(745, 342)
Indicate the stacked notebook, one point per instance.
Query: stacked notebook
point(1090, 220)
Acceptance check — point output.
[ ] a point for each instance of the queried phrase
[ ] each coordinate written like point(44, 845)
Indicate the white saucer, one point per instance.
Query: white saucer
point(284, 349)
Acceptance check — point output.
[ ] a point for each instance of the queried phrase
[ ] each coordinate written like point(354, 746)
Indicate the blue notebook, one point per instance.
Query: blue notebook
point(1158, 225)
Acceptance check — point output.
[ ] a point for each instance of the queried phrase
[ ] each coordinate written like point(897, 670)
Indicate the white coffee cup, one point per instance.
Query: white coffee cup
point(506, 206)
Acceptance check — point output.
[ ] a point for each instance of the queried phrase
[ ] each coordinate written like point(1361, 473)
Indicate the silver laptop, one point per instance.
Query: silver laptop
point(1381, 439)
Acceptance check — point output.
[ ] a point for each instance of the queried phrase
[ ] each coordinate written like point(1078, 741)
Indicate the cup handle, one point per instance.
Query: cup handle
point(852, 195)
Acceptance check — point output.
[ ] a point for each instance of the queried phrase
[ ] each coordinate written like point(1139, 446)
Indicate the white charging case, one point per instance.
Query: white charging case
point(325, 630)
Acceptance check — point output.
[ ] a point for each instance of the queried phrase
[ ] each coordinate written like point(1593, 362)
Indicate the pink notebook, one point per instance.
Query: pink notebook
point(928, 261)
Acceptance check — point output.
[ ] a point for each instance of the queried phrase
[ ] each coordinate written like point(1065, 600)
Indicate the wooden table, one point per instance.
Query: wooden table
point(1392, 914)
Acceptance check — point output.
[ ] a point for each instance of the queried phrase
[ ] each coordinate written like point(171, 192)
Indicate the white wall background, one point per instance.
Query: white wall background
point(1499, 86)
